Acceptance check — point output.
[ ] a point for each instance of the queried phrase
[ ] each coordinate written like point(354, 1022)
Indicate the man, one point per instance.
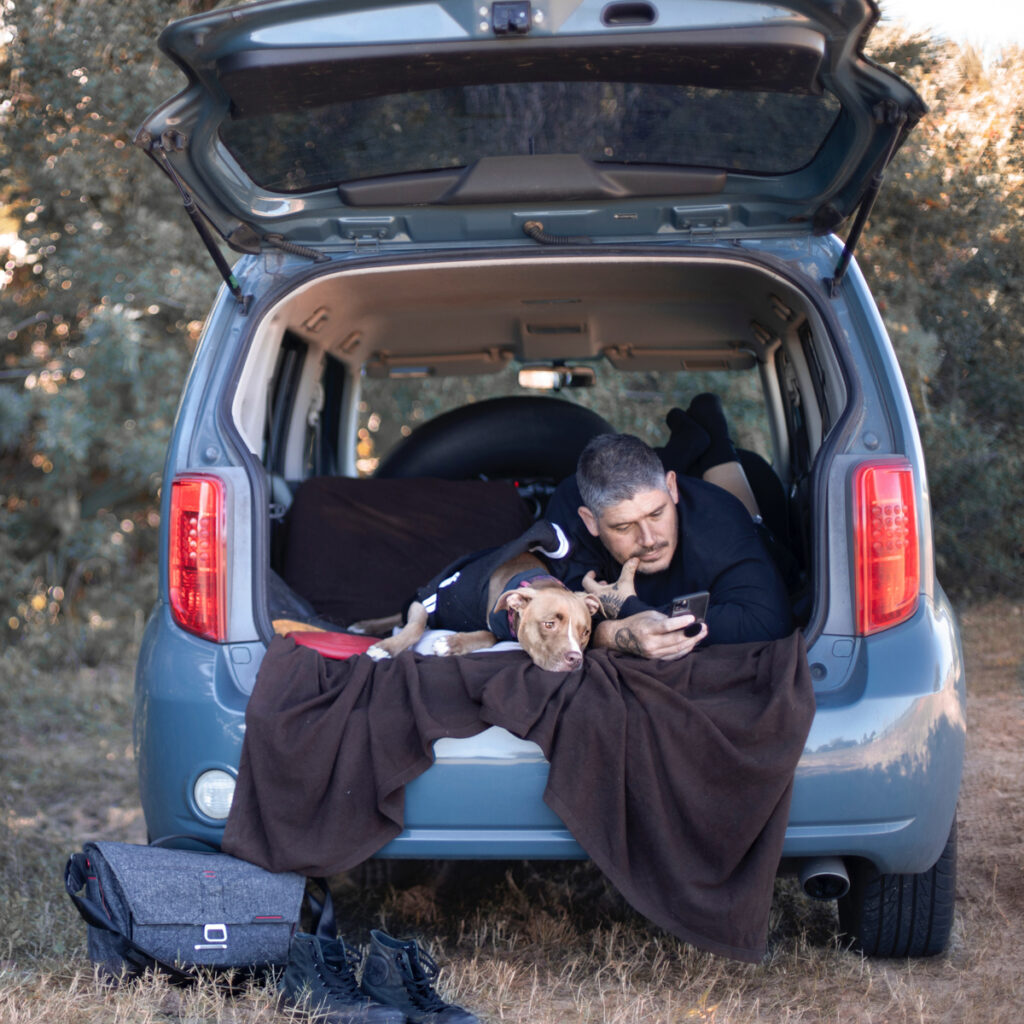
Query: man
point(658, 536)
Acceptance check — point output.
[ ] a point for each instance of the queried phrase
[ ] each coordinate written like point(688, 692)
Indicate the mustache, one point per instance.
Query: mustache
point(653, 549)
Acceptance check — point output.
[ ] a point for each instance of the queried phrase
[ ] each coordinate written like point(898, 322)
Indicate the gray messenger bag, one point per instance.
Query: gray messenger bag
point(150, 907)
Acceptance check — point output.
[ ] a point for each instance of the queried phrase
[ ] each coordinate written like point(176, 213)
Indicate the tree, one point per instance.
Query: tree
point(944, 253)
point(103, 284)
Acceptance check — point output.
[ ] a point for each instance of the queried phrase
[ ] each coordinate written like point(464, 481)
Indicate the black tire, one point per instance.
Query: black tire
point(901, 915)
point(500, 438)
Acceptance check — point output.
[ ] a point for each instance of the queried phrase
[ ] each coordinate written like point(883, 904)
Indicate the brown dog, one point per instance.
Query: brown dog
point(551, 623)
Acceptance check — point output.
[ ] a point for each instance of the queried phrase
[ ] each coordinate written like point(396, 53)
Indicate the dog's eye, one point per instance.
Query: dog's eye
point(549, 625)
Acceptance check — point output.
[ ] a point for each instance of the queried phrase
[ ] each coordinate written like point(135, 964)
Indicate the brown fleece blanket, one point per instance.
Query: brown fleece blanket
point(675, 777)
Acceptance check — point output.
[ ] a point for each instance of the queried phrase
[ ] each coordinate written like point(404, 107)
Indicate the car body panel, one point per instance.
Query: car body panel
point(879, 776)
point(881, 768)
point(250, 65)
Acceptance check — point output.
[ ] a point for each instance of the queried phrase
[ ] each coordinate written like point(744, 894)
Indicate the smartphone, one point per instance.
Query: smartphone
point(692, 604)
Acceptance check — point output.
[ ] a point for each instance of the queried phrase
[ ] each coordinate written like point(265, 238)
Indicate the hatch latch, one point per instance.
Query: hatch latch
point(511, 17)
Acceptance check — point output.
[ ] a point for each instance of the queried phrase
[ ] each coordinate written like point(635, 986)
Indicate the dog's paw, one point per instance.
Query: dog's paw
point(378, 653)
point(442, 646)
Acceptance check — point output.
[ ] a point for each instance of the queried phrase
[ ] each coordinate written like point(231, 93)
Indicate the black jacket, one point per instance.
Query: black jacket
point(719, 550)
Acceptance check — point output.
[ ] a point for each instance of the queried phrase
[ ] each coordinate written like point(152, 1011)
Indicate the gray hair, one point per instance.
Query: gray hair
point(614, 468)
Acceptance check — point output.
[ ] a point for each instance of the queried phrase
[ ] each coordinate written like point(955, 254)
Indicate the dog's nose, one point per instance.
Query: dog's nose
point(573, 660)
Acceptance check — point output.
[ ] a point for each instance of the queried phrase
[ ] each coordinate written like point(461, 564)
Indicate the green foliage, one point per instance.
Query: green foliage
point(944, 253)
point(103, 281)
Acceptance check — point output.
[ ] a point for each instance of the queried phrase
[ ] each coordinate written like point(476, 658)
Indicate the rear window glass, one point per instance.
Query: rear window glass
point(633, 403)
point(434, 129)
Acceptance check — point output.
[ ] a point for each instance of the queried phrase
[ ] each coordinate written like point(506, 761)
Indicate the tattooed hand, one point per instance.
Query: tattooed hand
point(649, 634)
point(626, 640)
point(613, 595)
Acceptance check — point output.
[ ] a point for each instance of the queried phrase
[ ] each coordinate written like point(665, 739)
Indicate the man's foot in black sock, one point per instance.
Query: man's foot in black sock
point(687, 442)
point(706, 410)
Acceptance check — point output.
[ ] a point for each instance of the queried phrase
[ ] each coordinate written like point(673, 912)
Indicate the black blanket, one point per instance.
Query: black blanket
point(675, 777)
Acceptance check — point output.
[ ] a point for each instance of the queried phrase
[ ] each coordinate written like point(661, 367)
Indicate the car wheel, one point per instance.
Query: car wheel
point(901, 915)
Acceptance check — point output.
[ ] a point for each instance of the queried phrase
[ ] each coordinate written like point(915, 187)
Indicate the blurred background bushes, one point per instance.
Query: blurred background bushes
point(102, 288)
point(104, 282)
point(944, 255)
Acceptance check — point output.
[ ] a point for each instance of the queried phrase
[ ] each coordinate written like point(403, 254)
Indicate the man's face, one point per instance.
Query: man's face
point(643, 527)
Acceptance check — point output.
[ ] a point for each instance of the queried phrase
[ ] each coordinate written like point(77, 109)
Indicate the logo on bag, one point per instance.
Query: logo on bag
point(215, 936)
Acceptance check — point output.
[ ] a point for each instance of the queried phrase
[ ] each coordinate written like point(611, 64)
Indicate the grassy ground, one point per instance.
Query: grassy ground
point(519, 943)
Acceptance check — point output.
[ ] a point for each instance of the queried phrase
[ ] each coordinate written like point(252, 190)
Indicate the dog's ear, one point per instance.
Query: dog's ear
point(592, 603)
point(517, 600)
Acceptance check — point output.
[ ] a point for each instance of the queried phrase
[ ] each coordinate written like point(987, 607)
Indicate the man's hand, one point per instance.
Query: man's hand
point(650, 634)
point(613, 595)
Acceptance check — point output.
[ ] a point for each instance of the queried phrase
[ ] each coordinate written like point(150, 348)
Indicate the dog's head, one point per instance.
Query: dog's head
point(552, 624)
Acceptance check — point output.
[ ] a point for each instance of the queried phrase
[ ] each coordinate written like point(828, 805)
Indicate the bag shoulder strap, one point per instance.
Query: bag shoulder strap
point(76, 874)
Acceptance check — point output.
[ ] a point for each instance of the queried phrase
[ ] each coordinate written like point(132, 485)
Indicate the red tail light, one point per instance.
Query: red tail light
point(886, 544)
point(196, 557)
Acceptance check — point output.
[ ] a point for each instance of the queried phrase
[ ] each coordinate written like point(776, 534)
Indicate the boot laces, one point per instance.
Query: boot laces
point(341, 972)
point(423, 972)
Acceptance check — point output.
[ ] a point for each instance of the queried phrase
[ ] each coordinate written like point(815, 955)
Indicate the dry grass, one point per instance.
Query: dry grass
point(539, 943)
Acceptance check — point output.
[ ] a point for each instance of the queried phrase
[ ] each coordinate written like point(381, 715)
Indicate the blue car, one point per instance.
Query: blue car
point(470, 237)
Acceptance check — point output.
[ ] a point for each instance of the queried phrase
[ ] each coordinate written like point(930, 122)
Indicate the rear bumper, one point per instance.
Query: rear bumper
point(190, 698)
point(878, 779)
point(881, 769)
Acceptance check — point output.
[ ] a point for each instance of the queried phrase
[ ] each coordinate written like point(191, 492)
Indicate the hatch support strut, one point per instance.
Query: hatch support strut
point(864, 209)
point(195, 215)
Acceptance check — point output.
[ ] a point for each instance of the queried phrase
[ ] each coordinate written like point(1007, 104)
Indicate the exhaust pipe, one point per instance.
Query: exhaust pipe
point(824, 878)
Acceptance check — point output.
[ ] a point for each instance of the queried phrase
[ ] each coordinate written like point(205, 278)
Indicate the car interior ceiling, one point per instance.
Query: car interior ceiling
point(636, 313)
point(464, 318)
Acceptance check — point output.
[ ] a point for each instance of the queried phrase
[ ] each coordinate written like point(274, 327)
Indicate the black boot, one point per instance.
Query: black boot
point(402, 974)
point(320, 979)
